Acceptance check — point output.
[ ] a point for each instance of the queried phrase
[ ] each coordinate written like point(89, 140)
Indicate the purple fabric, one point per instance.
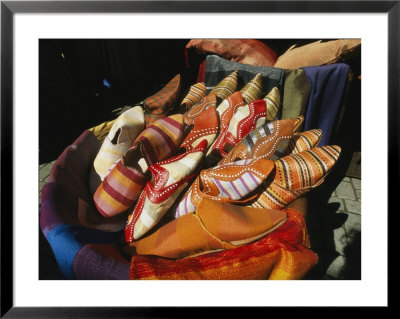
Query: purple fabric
point(90, 263)
point(81, 252)
point(327, 84)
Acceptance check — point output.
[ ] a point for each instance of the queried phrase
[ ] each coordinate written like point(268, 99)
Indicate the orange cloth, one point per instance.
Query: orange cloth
point(284, 254)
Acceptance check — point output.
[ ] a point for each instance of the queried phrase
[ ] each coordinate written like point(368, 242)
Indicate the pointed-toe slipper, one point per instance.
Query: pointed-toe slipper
point(170, 177)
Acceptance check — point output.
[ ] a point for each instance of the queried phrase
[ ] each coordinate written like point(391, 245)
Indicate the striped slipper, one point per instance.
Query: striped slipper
point(268, 141)
point(244, 120)
point(273, 100)
point(296, 175)
point(205, 126)
point(161, 104)
point(123, 185)
point(304, 141)
point(207, 102)
point(252, 90)
point(214, 226)
point(196, 93)
point(229, 183)
point(170, 177)
point(124, 131)
point(226, 86)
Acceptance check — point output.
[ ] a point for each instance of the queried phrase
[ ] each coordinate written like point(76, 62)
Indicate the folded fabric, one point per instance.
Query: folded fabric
point(318, 53)
point(160, 104)
point(196, 93)
point(205, 126)
point(226, 86)
point(169, 178)
point(209, 101)
point(123, 132)
point(295, 175)
point(246, 51)
point(269, 141)
point(229, 183)
point(296, 92)
point(327, 87)
point(123, 185)
point(214, 226)
point(217, 68)
point(81, 242)
point(282, 255)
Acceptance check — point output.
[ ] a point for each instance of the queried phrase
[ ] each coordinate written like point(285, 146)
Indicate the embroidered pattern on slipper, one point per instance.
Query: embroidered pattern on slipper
point(252, 90)
point(227, 86)
point(268, 141)
point(170, 177)
point(206, 126)
point(196, 93)
point(273, 100)
point(297, 174)
point(229, 182)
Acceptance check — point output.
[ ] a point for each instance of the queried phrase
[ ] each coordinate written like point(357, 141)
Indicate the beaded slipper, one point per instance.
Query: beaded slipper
point(269, 141)
point(169, 178)
point(226, 86)
point(296, 175)
point(122, 186)
point(207, 102)
point(244, 120)
point(205, 126)
point(123, 132)
point(229, 183)
point(214, 226)
point(304, 141)
point(196, 93)
point(252, 90)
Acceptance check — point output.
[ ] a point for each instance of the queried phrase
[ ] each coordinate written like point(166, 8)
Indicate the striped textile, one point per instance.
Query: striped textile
point(124, 131)
point(229, 182)
point(284, 254)
point(297, 174)
point(273, 100)
point(226, 86)
point(269, 141)
point(206, 126)
point(304, 141)
point(196, 93)
point(213, 226)
point(207, 102)
point(170, 177)
point(252, 90)
point(160, 104)
point(123, 185)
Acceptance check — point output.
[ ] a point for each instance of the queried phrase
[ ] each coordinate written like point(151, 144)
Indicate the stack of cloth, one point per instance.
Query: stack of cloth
point(197, 187)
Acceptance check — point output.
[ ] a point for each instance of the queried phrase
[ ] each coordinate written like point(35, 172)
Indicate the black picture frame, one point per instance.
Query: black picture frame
point(9, 8)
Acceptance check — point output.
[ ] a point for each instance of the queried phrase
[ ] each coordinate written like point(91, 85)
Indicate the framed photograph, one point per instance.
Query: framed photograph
point(125, 53)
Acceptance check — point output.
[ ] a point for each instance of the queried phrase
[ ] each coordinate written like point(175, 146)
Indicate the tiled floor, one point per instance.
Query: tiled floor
point(334, 229)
